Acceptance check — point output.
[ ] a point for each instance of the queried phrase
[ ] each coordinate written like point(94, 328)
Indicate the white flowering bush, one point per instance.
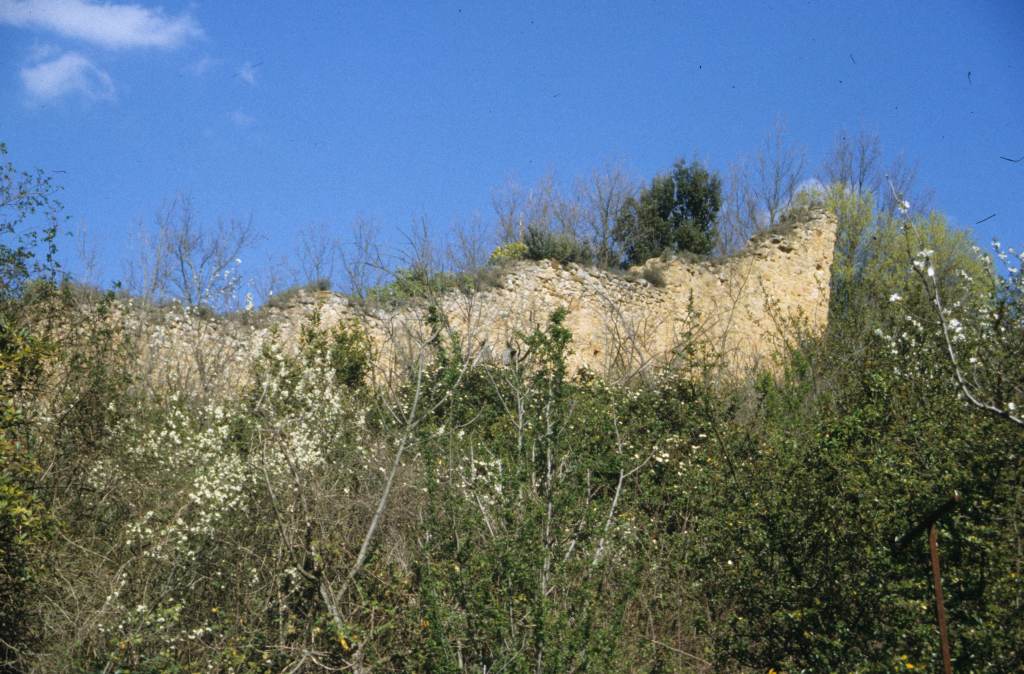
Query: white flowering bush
point(983, 336)
point(196, 492)
point(962, 328)
point(516, 517)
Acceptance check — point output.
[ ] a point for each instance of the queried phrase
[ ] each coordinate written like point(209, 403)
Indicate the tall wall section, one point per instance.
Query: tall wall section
point(734, 309)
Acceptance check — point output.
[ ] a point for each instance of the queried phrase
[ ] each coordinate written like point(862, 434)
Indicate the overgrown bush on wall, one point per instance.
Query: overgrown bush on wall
point(544, 244)
point(677, 212)
point(509, 252)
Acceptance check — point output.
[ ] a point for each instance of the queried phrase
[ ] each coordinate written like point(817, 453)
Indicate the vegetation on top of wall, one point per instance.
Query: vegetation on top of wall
point(518, 517)
point(542, 244)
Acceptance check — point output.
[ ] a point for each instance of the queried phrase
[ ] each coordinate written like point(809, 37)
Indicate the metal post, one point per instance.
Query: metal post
point(940, 607)
point(930, 522)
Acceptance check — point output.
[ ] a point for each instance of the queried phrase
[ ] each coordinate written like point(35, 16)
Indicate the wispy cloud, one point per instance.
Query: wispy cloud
point(248, 73)
point(69, 73)
point(42, 51)
point(202, 66)
point(810, 185)
point(110, 25)
point(241, 119)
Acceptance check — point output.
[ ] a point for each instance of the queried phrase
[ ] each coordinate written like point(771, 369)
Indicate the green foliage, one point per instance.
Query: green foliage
point(802, 207)
point(509, 252)
point(831, 467)
point(540, 488)
point(677, 212)
point(418, 283)
point(25, 526)
point(874, 262)
point(544, 244)
point(26, 248)
point(346, 349)
point(537, 519)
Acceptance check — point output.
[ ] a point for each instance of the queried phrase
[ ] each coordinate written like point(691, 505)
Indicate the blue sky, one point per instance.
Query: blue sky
point(317, 112)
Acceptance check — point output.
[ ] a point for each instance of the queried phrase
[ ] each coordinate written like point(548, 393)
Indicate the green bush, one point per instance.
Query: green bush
point(544, 517)
point(677, 213)
point(543, 244)
point(796, 542)
point(413, 284)
point(803, 206)
point(29, 218)
point(25, 527)
point(509, 252)
point(346, 348)
point(444, 514)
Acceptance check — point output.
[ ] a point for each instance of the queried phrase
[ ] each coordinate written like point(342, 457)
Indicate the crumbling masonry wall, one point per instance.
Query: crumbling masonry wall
point(735, 309)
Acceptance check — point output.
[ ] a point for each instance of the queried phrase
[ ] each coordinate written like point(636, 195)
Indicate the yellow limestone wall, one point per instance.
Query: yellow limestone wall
point(737, 308)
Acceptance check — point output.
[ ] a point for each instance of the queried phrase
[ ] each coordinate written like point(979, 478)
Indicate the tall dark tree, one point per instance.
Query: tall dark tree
point(677, 212)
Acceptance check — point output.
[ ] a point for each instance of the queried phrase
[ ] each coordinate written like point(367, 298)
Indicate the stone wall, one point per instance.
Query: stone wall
point(736, 309)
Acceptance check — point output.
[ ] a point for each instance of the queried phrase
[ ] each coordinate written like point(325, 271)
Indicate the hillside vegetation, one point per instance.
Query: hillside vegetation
point(518, 514)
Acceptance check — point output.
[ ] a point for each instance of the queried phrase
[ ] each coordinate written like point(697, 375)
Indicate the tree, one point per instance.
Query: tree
point(873, 259)
point(549, 223)
point(760, 189)
point(518, 208)
point(184, 261)
point(318, 256)
point(678, 212)
point(856, 163)
point(778, 170)
point(602, 196)
point(29, 220)
point(25, 195)
point(982, 334)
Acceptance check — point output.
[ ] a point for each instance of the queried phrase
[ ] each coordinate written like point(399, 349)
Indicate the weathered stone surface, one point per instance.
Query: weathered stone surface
point(736, 308)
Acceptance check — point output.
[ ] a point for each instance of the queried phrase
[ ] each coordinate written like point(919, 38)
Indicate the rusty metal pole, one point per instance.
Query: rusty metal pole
point(940, 607)
point(930, 522)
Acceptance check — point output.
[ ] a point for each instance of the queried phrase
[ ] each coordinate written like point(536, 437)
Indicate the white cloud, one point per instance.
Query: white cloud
point(812, 185)
point(241, 119)
point(40, 52)
point(114, 26)
point(248, 73)
point(202, 66)
point(67, 74)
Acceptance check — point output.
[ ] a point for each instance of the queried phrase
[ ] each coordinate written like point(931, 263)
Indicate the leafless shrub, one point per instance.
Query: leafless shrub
point(470, 247)
point(601, 196)
point(760, 189)
point(362, 260)
point(857, 163)
point(184, 275)
point(318, 255)
point(517, 208)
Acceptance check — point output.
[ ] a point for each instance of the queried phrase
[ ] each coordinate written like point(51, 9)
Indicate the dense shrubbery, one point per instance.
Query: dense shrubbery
point(418, 283)
point(544, 244)
point(509, 252)
point(519, 517)
point(676, 213)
